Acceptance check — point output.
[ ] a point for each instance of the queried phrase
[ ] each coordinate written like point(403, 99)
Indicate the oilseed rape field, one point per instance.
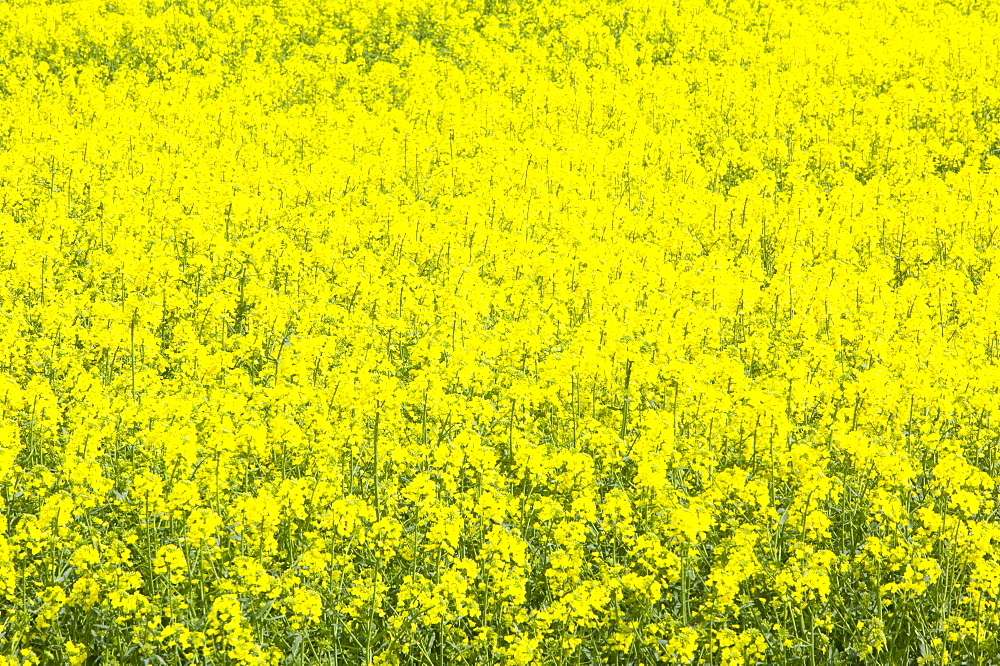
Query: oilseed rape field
point(499, 332)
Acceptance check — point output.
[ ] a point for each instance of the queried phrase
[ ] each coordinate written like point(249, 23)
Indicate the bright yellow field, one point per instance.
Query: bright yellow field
point(485, 332)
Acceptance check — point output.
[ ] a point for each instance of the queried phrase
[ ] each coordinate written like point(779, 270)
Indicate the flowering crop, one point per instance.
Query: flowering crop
point(499, 332)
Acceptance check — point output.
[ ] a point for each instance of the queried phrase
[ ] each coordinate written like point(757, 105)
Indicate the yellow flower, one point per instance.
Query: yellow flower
point(170, 560)
point(76, 652)
point(305, 605)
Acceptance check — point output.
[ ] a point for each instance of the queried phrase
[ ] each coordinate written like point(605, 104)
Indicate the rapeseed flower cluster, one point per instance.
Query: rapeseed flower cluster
point(499, 332)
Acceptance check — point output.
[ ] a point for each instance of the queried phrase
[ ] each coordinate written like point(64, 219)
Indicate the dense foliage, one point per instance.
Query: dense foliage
point(487, 332)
